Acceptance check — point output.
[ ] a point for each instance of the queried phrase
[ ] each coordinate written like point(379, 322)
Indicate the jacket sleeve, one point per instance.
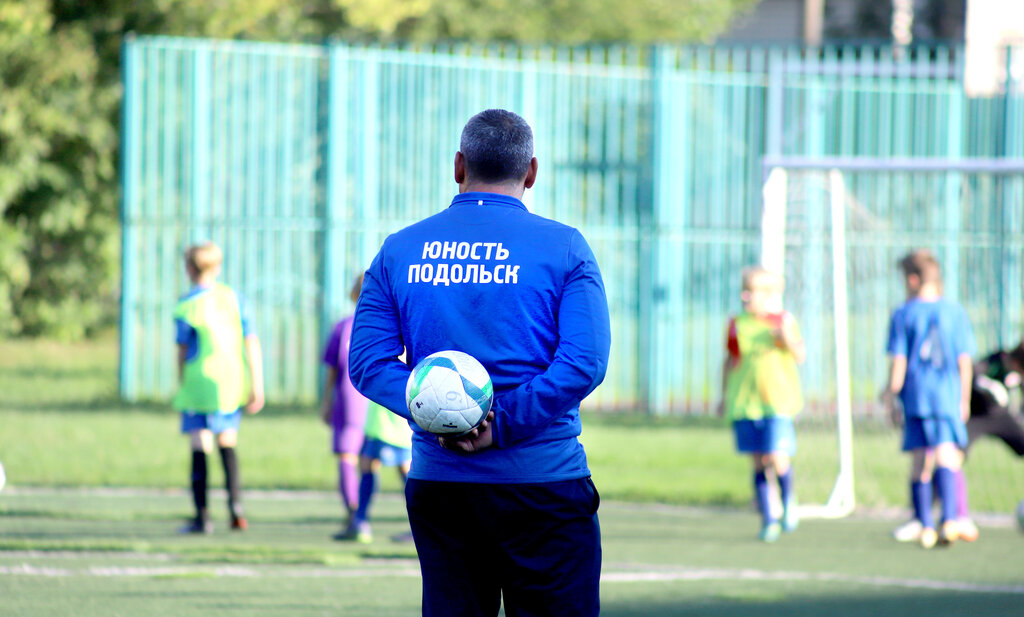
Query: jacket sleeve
point(377, 343)
point(580, 361)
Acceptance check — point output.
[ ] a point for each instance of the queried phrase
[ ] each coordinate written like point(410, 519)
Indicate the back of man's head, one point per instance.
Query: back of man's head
point(497, 146)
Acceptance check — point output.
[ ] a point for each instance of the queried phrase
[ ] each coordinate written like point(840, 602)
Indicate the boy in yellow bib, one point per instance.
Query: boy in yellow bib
point(220, 368)
point(761, 391)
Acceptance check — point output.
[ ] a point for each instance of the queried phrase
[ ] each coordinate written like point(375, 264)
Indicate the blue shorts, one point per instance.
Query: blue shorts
point(387, 454)
point(216, 423)
point(773, 434)
point(931, 431)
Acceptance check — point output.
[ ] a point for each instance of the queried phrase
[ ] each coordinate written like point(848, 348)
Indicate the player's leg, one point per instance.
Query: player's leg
point(751, 440)
point(922, 463)
point(200, 444)
point(770, 526)
point(369, 467)
point(553, 548)
point(782, 441)
point(985, 406)
point(347, 442)
point(457, 554)
point(916, 442)
point(403, 457)
point(948, 459)
point(225, 426)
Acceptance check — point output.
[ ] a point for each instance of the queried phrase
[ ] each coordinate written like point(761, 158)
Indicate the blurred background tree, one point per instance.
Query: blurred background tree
point(57, 176)
point(60, 93)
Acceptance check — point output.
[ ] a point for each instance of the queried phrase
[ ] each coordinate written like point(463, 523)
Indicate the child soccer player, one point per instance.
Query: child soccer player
point(761, 391)
point(220, 368)
point(344, 410)
point(930, 346)
point(388, 443)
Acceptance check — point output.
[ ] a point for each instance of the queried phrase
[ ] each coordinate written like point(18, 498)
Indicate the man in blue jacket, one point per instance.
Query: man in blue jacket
point(508, 511)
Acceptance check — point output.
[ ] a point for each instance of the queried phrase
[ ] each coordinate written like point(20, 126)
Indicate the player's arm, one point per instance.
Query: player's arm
point(792, 339)
point(328, 398)
point(254, 361)
point(966, 368)
point(732, 356)
point(182, 354)
point(184, 336)
point(897, 377)
point(376, 343)
point(332, 359)
point(579, 363)
point(727, 367)
point(965, 348)
point(896, 348)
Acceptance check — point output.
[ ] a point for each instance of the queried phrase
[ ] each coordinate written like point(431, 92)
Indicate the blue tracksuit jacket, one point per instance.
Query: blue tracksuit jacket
point(520, 293)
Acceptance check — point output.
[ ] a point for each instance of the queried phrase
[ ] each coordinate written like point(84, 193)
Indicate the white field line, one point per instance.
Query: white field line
point(692, 575)
point(986, 519)
point(636, 574)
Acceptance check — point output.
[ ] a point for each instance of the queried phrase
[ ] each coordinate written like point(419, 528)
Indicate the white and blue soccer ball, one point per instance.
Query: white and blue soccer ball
point(3, 477)
point(449, 393)
point(1020, 515)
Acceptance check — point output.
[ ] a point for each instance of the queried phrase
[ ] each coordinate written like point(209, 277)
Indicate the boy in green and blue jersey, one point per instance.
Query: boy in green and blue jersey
point(387, 443)
point(220, 371)
point(761, 392)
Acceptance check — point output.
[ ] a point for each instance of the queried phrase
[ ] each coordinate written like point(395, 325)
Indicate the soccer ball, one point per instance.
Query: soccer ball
point(449, 393)
point(1020, 515)
point(3, 477)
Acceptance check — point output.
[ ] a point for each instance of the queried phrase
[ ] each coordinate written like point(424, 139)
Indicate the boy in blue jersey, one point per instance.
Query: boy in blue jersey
point(220, 369)
point(508, 512)
point(930, 347)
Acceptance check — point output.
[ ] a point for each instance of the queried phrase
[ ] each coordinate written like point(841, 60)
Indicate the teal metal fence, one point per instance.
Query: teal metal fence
point(299, 160)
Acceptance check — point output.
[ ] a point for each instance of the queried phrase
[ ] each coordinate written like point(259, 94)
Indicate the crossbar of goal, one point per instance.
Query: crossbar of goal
point(841, 500)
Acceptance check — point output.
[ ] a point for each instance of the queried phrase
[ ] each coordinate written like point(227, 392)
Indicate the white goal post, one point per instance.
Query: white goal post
point(829, 176)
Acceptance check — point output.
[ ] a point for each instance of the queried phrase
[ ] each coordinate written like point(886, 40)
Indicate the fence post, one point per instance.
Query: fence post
point(130, 120)
point(337, 189)
point(1009, 291)
point(201, 106)
point(647, 216)
point(954, 183)
point(367, 211)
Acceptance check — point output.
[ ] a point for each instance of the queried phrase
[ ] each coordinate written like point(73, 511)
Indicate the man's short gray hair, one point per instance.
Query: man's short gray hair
point(497, 146)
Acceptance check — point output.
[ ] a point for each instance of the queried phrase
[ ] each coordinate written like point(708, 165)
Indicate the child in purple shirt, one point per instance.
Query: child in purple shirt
point(344, 409)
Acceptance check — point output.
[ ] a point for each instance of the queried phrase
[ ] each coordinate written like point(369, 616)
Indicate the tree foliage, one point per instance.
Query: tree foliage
point(59, 103)
point(571, 22)
point(57, 175)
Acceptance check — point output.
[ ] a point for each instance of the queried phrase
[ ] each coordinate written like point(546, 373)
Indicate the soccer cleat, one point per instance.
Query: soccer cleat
point(908, 532)
point(770, 532)
point(363, 533)
point(360, 532)
point(949, 533)
point(238, 523)
point(968, 530)
point(197, 526)
point(790, 518)
point(402, 537)
point(928, 537)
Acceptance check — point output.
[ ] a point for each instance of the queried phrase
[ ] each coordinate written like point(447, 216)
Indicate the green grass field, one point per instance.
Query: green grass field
point(59, 403)
point(96, 491)
point(102, 552)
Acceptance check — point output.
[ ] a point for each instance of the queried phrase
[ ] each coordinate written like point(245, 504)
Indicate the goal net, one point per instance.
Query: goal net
point(835, 228)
